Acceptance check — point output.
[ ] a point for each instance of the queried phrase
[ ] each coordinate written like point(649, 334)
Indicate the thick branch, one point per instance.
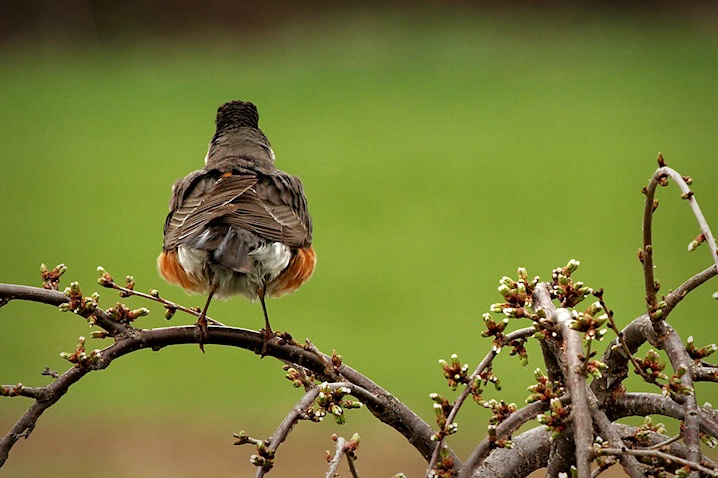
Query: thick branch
point(610, 433)
point(642, 404)
point(576, 383)
point(506, 428)
point(681, 361)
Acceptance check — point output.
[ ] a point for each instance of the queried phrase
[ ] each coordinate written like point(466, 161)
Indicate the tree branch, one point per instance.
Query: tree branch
point(382, 404)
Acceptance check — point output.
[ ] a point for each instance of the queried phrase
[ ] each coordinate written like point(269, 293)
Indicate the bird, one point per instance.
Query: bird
point(239, 225)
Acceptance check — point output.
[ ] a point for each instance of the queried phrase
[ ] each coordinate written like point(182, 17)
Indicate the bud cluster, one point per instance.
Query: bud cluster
point(556, 418)
point(83, 306)
point(454, 372)
point(445, 465)
point(81, 358)
point(442, 409)
point(331, 400)
point(51, 278)
point(699, 354)
point(652, 366)
point(544, 390)
point(517, 296)
point(568, 293)
point(123, 315)
point(264, 458)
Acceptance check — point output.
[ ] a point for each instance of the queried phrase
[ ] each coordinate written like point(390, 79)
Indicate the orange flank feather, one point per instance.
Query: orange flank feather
point(173, 272)
point(300, 269)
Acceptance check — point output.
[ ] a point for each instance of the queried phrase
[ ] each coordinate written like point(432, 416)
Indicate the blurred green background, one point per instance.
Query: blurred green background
point(440, 147)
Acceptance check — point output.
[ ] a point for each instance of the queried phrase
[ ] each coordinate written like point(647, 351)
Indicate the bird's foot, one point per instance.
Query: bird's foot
point(202, 331)
point(267, 334)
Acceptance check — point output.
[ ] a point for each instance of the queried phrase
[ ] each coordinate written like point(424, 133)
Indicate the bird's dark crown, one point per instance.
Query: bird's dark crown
point(237, 114)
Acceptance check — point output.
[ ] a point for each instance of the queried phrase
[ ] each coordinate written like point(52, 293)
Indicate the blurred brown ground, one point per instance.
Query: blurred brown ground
point(147, 449)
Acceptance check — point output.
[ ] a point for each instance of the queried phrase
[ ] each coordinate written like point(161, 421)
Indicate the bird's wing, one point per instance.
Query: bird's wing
point(275, 209)
point(199, 200)
point(272, 206)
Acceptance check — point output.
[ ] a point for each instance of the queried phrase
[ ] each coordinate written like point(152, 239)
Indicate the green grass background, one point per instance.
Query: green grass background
point(440, 150)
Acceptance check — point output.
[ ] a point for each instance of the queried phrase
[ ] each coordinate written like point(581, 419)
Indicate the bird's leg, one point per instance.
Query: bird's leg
point(267, 330)
point(202, 321)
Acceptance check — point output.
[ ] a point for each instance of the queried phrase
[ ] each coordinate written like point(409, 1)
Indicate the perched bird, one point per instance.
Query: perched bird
point(239, 225)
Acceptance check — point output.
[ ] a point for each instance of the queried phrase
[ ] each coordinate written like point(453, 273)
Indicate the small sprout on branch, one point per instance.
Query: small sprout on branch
point(675, 387)
point(517, 296)
point(519, 349)
point(442, 408)
point(683, 472)
point(595, 368)
point(79, 357)
point(47, 372)
point(293, 376)
point(123, 315)
point(587, 323)
point(693, 245)
point(129, 287)
point(82, 306)
point(651, 367)
point(11, 391)
point(643, 433)
point(331, 399)
point(567, 292)
point(105, 279)
point(495, 441)
point(496, 330)
point(51, 278)
point(455, 373)
point(445, 465)
point(544, 390)
point(170, 312)
point(500, 410)
point(699, 354)
point(264, 458)
point(336, 362)
point(555, 418)
point(709, 440)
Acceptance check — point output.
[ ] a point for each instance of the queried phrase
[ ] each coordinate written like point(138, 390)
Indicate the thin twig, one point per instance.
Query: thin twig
point(657, 454)
point(681, 291)
point(488, 359)
point(156, 298)
point(334, 462)
point(297, 413)
point(665, 443)
point(621, 339)
point(647, 252)
point(294, 415)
